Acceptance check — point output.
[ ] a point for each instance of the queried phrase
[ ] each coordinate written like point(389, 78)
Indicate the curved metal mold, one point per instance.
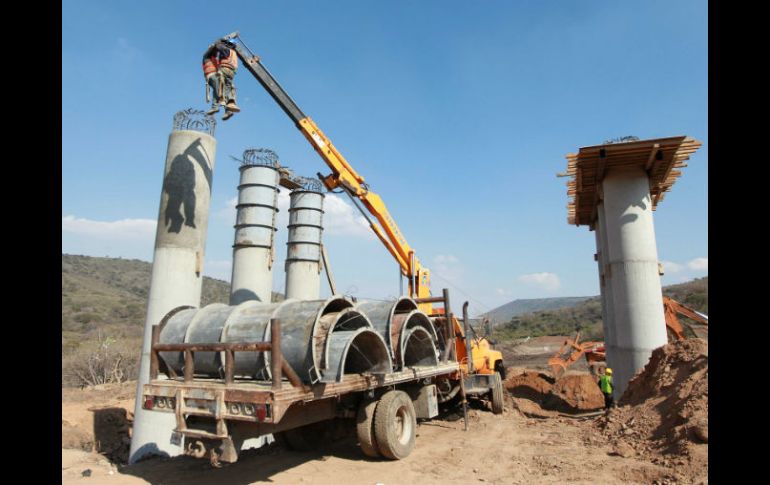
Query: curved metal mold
point(355, 352)
point(173, 330)
point(206, 327)
point(248, 323)
point(418, 348)
point(402, 322)
point(301, 327)
point(348, 319)
point(381, 313)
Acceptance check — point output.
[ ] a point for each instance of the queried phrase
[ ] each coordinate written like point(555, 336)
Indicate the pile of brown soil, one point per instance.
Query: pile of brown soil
point(98, 419)
point(537, 394)
point(530, 385)
point(578, 392)
point(664, 410)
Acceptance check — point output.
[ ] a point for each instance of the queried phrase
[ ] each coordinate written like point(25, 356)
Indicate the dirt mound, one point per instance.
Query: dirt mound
point(98, 419)
point(664, 411)
point(538, 394)
point(578, 392)
point(529, 385)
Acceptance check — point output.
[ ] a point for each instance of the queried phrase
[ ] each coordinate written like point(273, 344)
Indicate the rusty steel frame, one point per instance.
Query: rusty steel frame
point(278, 364)
point(262, 392)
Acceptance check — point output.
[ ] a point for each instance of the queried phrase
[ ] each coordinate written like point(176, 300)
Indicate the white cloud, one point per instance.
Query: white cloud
point(671, 267)
point(502, 292)
point(341, 218)
point(545, 281)
point(699, 264)
point(448, 267)
point(227, 214)
point(123, 229)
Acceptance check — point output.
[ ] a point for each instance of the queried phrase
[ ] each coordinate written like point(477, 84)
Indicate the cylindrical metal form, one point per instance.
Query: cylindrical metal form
point(381, 314)
point(252, 277)
point(639, 322)
point(177, 268)
point(303, 255)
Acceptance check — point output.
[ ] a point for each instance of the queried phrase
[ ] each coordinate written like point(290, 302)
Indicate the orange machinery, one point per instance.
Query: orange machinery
point(594, 352)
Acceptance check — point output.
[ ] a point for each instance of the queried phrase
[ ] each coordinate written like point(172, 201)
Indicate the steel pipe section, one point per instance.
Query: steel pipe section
point(639, 322)
point(400, 325)
point(354, 352)
point(418, 348)
point(252, 275)
point(251, 324)
point(381, 313)
point(303, 255)
point(321, 339)
point(177, 268)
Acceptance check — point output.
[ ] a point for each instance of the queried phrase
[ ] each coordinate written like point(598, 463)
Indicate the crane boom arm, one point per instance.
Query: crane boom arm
point(343, 174)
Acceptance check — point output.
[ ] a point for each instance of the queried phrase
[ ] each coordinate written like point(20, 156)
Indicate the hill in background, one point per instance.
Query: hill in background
point(108, 296)
point(586, 316)
point(504, 313)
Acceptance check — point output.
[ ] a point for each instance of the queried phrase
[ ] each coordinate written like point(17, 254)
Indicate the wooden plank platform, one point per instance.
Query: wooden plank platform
point(659, 157)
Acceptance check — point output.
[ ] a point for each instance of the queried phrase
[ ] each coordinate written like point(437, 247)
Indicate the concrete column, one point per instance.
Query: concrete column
point(639, 323)
point(303, 256)
point(252, 277)
point(606, 274)
point(600, 253)
point(177, 266)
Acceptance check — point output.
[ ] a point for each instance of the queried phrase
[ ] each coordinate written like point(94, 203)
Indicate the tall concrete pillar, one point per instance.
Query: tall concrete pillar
point(606, 275)
point(252, 277)
point(303, 256)
point(177, 268)
point(633, 264)
point(603, 294)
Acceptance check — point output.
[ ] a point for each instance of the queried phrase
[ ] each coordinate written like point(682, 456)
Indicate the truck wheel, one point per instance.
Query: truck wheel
point(497, 394)
point(365, 428)
point(395, 425)
point(500, 368)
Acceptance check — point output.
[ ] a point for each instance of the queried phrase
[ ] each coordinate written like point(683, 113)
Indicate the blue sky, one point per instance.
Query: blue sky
point(458, 113)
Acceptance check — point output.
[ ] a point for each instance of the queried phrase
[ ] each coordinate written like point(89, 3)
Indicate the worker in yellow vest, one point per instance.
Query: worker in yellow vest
point(605, 384)
point(219, 65)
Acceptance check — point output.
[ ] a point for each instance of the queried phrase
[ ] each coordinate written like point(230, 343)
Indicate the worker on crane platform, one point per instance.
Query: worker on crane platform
point(605, 384)
point(219, 65)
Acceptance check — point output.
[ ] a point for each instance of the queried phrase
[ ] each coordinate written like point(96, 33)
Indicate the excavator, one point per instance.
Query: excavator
point(483, 372)
point(572, 349)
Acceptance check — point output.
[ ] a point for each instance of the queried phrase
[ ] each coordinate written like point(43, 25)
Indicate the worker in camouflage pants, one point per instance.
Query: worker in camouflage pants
point(219, 65)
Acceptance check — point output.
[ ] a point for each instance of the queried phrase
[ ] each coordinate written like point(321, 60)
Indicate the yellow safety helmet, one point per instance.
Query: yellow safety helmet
point(608, 371)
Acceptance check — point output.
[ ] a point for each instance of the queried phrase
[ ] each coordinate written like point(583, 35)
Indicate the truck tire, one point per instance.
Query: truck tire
point(395, 425)
point(365, 428)
point(500, 368)
point(497, 394)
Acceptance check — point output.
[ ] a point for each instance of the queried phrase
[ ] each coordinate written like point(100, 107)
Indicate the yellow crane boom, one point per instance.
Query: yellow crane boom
point(343, 176)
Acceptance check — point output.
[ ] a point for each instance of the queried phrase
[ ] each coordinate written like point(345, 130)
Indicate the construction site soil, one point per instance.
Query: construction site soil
point(552, 432)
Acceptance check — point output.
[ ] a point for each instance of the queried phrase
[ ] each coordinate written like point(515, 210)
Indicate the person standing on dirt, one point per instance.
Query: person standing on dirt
point(605, 384)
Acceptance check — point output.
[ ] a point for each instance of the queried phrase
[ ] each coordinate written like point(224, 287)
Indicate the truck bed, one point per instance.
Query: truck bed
point(210, 397)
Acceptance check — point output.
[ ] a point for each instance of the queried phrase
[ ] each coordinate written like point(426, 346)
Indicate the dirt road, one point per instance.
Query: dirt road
point(506, 449)
point(658, 436)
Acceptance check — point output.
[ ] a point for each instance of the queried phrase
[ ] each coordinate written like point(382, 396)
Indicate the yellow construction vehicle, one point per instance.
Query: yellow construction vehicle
point(485, 369)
